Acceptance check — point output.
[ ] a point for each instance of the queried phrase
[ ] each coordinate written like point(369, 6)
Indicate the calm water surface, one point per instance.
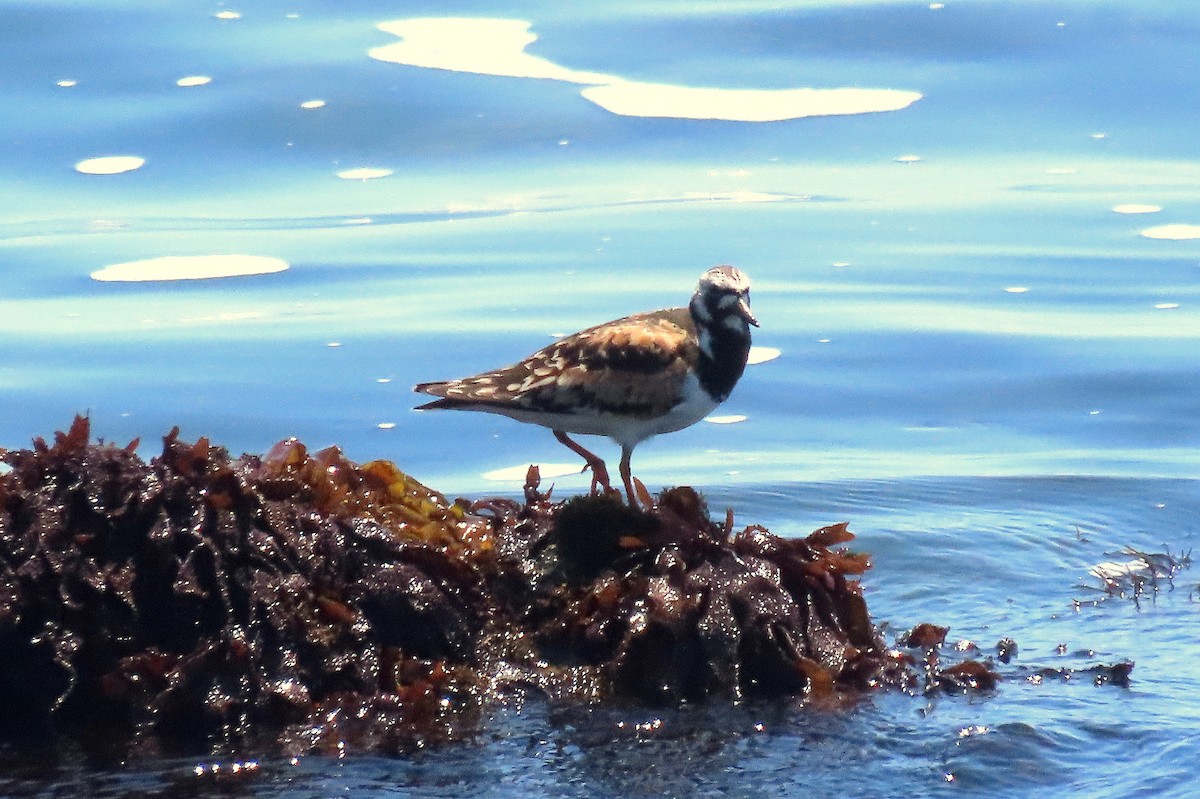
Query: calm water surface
point(985, 305)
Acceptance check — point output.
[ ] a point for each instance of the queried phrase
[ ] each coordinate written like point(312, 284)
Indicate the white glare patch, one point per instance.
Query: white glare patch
point(1136, 208)
point(1110, 570)
point(1166, 306)
point(762, 354)
point(364, 173)
point(227, 15)
point(386, 425)
point(313, 104)
point(66, 84)
point(628, 98)
point(189, 267)
point(194, 80)
point(1173, 232)
point(481, 46)
point(497, 47)
point(240, 316)
point(511, 473)
point(741, 196)
point(109, 164)
point(732, 418)
point(1017, 289)
point(907, 159)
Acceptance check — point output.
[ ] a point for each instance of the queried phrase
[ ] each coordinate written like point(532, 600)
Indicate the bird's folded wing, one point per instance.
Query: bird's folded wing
point(635, 366)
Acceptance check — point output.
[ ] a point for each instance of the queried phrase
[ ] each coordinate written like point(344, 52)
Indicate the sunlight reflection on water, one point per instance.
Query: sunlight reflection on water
point(364, 173)
point(762, 354)
point(1177, 232)
point(189, 267)
point(110, 164)
point(497, 47)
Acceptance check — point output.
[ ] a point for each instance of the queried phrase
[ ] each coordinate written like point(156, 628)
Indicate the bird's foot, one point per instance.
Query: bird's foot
point(601, 485)
point(600, 482)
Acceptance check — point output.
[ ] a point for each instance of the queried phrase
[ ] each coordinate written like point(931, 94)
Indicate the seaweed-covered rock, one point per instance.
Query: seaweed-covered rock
point(197, 595)
point(303, 597)
point(672, 606)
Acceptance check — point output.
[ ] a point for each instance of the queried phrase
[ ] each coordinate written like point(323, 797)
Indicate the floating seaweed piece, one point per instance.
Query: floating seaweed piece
point(970, 675)
point(966, 675)
point(1141, 574)
point(1006, 649)
point(924, 636)
point(1117, 673)
point(303, 597)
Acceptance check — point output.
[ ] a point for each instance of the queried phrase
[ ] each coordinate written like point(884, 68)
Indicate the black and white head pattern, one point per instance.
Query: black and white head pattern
point(720, 309)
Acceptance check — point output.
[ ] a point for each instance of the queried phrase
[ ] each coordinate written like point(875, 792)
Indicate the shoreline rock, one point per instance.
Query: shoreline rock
point(304, 599)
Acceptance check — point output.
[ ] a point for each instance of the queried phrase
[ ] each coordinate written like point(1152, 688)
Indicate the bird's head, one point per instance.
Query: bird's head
point(723, 298)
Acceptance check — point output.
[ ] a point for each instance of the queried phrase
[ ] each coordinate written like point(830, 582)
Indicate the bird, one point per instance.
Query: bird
point(629, 379)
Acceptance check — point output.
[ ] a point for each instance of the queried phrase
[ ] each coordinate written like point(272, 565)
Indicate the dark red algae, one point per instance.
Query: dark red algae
point(305, 600)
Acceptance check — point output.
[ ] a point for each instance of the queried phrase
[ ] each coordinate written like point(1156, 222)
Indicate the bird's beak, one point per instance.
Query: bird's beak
point(743, 309)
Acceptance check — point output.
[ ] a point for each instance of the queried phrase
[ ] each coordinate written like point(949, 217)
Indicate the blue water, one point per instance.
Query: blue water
point(982, 366)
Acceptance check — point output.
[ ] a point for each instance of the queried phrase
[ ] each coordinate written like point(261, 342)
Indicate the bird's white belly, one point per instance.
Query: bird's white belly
point(627, 430)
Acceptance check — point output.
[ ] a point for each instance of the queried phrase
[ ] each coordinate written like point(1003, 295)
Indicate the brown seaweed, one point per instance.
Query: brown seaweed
point(303, 597)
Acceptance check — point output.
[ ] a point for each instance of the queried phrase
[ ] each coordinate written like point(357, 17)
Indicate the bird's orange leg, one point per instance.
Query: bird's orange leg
point(599, 470)
point(627, 476)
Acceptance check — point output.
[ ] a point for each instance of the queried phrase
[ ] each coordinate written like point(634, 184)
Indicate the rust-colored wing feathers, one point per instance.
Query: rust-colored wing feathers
point(601, 369)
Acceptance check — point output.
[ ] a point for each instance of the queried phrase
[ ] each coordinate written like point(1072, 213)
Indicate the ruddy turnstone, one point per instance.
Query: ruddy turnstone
point(628, 379)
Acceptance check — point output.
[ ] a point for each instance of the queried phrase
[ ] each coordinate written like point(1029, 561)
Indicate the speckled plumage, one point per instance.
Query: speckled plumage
point(628, 379)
